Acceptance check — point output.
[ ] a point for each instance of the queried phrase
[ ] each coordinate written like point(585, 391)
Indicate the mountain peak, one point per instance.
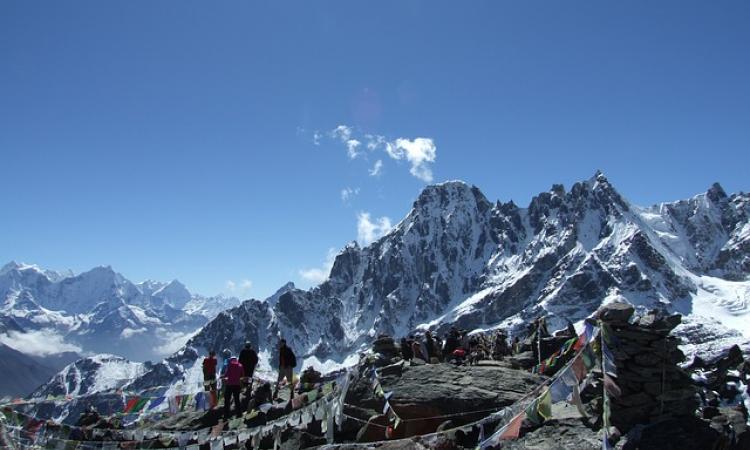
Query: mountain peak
point(13, 265)
point(450, 192)
point(715, 193)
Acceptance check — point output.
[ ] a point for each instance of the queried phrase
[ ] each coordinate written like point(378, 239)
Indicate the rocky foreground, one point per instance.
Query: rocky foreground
point(632, 390)
point(657, 403)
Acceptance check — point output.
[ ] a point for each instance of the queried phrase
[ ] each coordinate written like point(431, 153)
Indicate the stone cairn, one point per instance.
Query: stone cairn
point(386, 351)
point(653, 387)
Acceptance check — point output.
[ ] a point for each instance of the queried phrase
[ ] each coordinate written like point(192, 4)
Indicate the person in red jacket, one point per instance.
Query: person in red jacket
point(209, 371)
point(233, 384)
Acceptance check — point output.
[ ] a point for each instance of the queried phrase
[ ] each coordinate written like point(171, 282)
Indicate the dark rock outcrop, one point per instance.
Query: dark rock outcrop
point(438, 390)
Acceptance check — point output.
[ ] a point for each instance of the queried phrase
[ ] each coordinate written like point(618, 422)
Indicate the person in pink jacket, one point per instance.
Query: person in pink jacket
point(232, 385)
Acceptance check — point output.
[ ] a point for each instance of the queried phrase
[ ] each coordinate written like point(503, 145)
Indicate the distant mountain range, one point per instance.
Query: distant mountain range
point(459, 259)
point(43, 312)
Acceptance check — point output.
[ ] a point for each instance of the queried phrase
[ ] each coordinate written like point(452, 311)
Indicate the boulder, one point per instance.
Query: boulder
point(616, 313)
point(435, 390)
point(558, 435)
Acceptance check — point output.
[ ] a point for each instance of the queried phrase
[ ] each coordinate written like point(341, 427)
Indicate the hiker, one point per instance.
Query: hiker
point(209, 371)
point(416, 349)
point(430, 348)
point(438, 348)
point(474, 353)
point(406, 352)
point(515, 346)
point(287, 363)
point(232, 381)
point(227, 355)
point(451, 342)
point(458, 356)
point(501, 349)
point(249, 360)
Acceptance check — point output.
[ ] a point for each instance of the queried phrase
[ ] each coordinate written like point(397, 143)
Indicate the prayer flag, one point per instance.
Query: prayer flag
point(579, 368)
point(155, 402)
point(513, 428)
point(532, 412)
point(140, 404)
point(589, 357)
point(132, 401)
point(544, 407)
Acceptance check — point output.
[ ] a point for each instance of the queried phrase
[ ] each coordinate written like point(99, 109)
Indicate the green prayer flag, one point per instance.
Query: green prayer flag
point(544, 407)
point(589, 358)
point(140, 404)
point(532, 413)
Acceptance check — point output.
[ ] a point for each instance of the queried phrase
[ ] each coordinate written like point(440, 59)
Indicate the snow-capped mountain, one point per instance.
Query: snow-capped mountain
point(98, 311)
point(90, 375)
point(458, 258)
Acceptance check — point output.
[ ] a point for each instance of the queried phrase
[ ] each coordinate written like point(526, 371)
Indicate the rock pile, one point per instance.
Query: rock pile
point(653, 387)
point(386, 351)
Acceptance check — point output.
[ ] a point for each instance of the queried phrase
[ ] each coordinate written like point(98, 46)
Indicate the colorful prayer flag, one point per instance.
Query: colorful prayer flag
point(513, 429)
point(544, 407)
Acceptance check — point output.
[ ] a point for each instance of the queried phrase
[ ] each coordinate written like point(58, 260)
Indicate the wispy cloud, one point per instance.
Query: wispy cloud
point(318, 275)
point(351, 147)
point(374, 141)
point(370, 230)
point(342, 133)
point(376, 169)
point(348, 193)
point(39, 343)
point(317, 136)
point(241, 287)
point(420, 152)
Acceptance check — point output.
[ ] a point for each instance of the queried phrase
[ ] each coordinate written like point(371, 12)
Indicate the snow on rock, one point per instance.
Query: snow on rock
point(90, 375)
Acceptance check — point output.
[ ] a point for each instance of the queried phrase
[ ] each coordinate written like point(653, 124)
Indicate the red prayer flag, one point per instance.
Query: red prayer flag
point(513, 429)
point(580, 342)
point(132, 401)
point(579, 369)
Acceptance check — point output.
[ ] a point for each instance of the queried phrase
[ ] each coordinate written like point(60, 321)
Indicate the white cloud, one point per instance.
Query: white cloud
point(348, 193)
point(39, 343)
point(316, 137)
point(351, 148)
point(420, 152)
point(127, 333)
point(241, 287)
point(374, 141)
point(368, 231)
point(342, 132)
point(172, 341)
point(318, 275)
point(377, 169)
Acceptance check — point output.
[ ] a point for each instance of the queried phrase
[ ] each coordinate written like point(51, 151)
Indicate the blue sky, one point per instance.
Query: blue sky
point(178, 139)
